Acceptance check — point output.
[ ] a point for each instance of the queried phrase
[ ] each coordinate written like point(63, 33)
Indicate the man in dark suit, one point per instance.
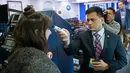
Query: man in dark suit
point(122, 16)
point(106, 50)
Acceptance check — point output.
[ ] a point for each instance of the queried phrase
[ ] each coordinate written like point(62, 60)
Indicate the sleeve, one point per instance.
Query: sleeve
point(120, 57)
point(117, 27)
point(111, 29)
point(74, 46)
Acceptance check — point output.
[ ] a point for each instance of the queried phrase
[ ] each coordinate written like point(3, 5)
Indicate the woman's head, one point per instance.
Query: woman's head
point(30, 30)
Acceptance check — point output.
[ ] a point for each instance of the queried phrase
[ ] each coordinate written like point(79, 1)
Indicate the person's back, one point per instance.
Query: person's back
point(30, 60)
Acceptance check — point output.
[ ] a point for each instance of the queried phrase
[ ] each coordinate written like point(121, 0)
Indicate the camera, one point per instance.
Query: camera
point(105, 15)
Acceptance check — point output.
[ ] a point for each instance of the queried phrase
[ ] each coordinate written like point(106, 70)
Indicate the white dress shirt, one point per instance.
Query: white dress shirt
point(102, 36)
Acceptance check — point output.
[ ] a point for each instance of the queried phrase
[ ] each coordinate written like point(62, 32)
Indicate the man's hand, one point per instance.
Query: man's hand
point(65, 36)
point(49, 54)
point(100, 66)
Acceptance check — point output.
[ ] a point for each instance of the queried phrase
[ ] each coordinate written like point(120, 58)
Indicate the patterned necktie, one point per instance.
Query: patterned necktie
point(98, 45)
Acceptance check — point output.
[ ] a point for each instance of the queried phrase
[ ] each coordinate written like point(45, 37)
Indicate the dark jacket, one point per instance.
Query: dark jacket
point(127, 19)
point(112, 47)
point(30, 60)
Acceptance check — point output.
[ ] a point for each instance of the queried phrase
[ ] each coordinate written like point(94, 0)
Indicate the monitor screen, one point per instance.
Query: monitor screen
point(9, 42)
point(4, 13)
point(15, 17)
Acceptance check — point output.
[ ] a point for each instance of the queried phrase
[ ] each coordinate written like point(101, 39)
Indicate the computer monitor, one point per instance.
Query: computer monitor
point(15, 18)
point(9, 42)
point(4, 13)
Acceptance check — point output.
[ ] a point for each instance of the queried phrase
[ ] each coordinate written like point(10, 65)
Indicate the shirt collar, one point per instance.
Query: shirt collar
point(123, 10)
point(100, 32)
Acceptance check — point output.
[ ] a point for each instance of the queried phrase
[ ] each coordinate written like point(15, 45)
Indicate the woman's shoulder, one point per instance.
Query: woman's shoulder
point(30, 53)
point(27, 52)
point(34, 60)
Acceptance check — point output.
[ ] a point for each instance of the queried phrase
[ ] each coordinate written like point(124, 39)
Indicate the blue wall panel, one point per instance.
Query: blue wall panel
point(82, 11)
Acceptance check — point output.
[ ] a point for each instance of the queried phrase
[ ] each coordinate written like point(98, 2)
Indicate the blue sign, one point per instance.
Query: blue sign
point(68, 7)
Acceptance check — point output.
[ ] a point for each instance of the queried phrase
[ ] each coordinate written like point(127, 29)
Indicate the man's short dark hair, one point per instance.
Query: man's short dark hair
point(121, 1)
point(98, 10)
point(110, 8)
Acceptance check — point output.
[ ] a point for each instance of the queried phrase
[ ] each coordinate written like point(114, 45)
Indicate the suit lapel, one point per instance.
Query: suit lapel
point(119, 17)
point(89, 41)
point(119, 14)
point(126, 14)
point(106, 42)
point(90, 38)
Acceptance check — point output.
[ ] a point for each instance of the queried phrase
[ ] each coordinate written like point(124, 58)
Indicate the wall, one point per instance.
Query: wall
point(56, 5)
point(3, 2)
point(101, 4)
point(73, 12)
point(82, 11)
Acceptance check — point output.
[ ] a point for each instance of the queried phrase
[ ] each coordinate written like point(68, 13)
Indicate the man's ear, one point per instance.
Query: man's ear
point(102, 20)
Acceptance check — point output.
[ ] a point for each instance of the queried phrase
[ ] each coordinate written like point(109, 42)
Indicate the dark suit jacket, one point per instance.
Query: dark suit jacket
point(127, 19)
point(112, 47)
